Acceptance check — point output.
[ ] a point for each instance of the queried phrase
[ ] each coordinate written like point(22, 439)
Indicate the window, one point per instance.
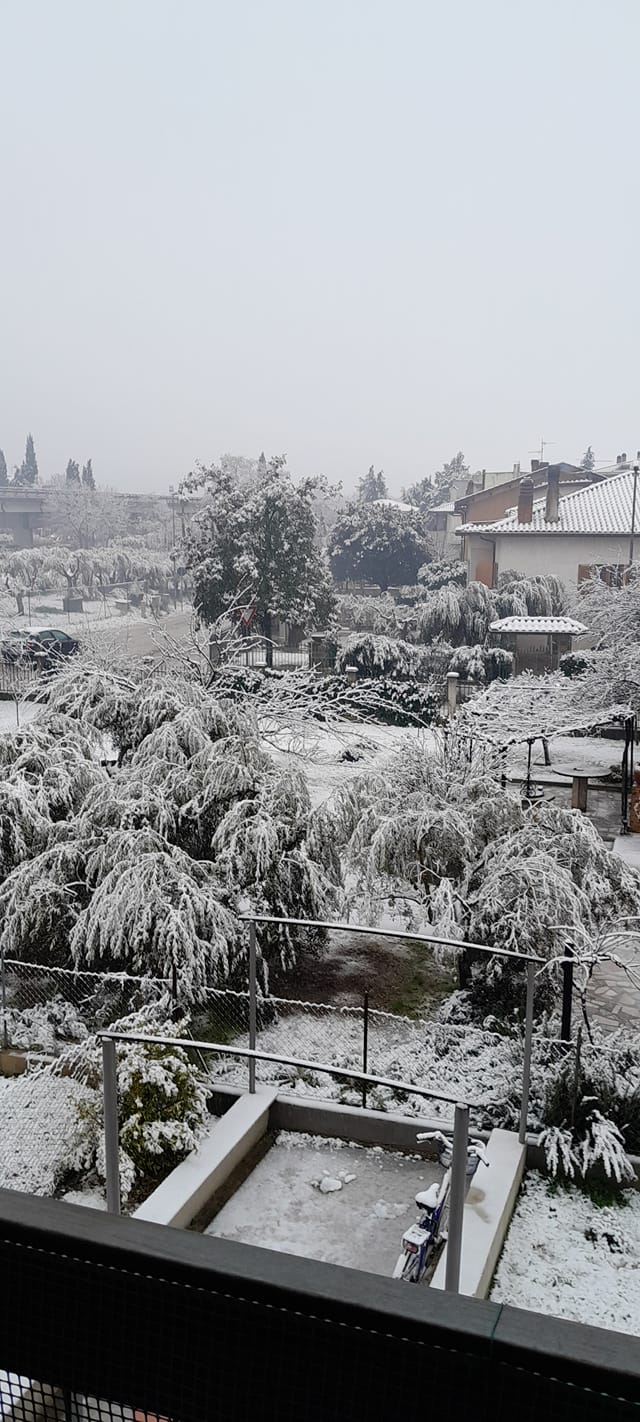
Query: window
point(613, 575)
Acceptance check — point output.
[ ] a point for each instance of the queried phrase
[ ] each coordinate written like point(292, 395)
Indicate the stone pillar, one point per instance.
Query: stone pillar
point(453, 680)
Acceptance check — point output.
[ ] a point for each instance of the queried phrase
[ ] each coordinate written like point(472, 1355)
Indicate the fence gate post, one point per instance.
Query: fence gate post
point(457, 1192)
point(253, 987)
point(111, 1145)
point(453, 682)
point(5, 1029)
point(526, 1064)
point(365, 1044)
point(567, 996)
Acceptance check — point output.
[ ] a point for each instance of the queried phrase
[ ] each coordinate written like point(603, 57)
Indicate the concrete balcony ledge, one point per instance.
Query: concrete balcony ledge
point(487, 1215)
point(180, 1197)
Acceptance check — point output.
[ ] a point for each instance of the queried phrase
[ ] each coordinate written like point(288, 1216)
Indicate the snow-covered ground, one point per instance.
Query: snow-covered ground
point(332, 755)
point(588, 755)
point(567, 1257)
point(328, 1200)
point(41, 1130)
point(9, 721)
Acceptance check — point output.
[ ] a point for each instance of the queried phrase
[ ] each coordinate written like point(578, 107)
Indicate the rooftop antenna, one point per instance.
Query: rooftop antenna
point(543, 445)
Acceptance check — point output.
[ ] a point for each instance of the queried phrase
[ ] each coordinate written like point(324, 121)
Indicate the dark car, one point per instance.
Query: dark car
point(44, 645)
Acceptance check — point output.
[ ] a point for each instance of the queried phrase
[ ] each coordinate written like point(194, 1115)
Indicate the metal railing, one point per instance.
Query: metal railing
point(459, 1158)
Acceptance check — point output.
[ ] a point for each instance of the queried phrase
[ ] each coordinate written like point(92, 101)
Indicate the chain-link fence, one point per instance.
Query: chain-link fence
point(47, 1009)
point(51, 1012)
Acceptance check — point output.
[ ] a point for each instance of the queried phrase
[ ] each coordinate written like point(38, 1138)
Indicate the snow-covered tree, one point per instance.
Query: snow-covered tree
point(155, 910)
point(431, 831)
point(72, 472)
point(588, 461)
point(88, 478)
point(378, 543)
point(372, 486)
point(4, 477)
point(28, 472)
point(442, 572)
point(432, 488)
point(257, 545)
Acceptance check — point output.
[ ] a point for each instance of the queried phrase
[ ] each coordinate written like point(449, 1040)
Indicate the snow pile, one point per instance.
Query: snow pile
point(568, 1257)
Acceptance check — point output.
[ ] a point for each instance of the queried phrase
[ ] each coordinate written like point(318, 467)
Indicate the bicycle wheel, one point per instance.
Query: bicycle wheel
point(408, 1268)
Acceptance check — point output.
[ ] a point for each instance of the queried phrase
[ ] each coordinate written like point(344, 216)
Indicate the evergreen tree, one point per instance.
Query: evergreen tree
point(87, 475)
point(588, 460)
point(378, 543)
point(73, 472)
point(4, 477)
point(257, 544)
point(28, 471)
point(372, 487)
point(432, 489)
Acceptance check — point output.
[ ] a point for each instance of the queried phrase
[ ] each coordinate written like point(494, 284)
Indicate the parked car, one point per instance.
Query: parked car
point(43, 645)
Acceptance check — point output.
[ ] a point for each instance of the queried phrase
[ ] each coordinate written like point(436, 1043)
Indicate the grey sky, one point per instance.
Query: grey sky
point(353, 230)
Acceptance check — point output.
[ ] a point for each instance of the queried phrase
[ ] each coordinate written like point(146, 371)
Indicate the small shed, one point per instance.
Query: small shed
point(537, 643)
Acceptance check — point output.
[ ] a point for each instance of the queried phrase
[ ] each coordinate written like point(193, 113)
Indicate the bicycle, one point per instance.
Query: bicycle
point(422, 1239)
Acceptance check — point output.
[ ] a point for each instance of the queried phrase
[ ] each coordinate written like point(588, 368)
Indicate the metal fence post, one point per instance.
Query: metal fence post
point(365, 1044)
point(252, 1004)
point(567, 995)
point(111, 1144)
point(5, 1029)
point(526, 1064)
point(457, 1192)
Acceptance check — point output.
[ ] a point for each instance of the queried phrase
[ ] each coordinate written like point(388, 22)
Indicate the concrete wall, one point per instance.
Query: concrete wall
point(537, 554)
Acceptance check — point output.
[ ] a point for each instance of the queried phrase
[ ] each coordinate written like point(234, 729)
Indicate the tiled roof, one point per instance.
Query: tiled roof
point(442, 508)
point(539, 624)
point(603, 508)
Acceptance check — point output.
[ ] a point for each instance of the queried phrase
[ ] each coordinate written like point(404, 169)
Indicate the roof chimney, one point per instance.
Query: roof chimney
point(552, 512)
point(535, 465)
point(525, 500)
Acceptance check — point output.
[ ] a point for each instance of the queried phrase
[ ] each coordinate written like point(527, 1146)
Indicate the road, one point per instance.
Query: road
point(147, 637)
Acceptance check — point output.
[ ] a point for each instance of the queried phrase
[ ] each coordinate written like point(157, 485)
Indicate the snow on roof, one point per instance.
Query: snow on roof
point(442, 508)
point(603, 509)
point(539, 624)
point(395, 504)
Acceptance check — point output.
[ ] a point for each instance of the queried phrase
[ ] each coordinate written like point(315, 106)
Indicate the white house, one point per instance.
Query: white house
point(570, 536)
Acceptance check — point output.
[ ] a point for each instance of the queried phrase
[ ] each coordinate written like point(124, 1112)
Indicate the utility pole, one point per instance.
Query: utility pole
point(636, 469)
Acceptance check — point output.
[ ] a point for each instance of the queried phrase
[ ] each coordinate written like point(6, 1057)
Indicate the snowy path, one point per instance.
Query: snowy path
point(566, 1257)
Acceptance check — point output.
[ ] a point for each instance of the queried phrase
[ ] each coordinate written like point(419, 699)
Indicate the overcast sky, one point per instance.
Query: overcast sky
point(354, 231)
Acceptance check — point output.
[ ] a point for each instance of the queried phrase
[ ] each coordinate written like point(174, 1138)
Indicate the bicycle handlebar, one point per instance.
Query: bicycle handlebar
point(473, 1148)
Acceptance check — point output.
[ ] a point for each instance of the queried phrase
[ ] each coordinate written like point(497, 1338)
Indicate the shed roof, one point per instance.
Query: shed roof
point(566, 625)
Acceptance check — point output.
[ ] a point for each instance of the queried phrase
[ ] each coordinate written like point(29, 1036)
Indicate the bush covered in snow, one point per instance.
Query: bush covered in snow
point(575, 663)
point(376, 656)
point(162, 1103)
point(367, 614)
